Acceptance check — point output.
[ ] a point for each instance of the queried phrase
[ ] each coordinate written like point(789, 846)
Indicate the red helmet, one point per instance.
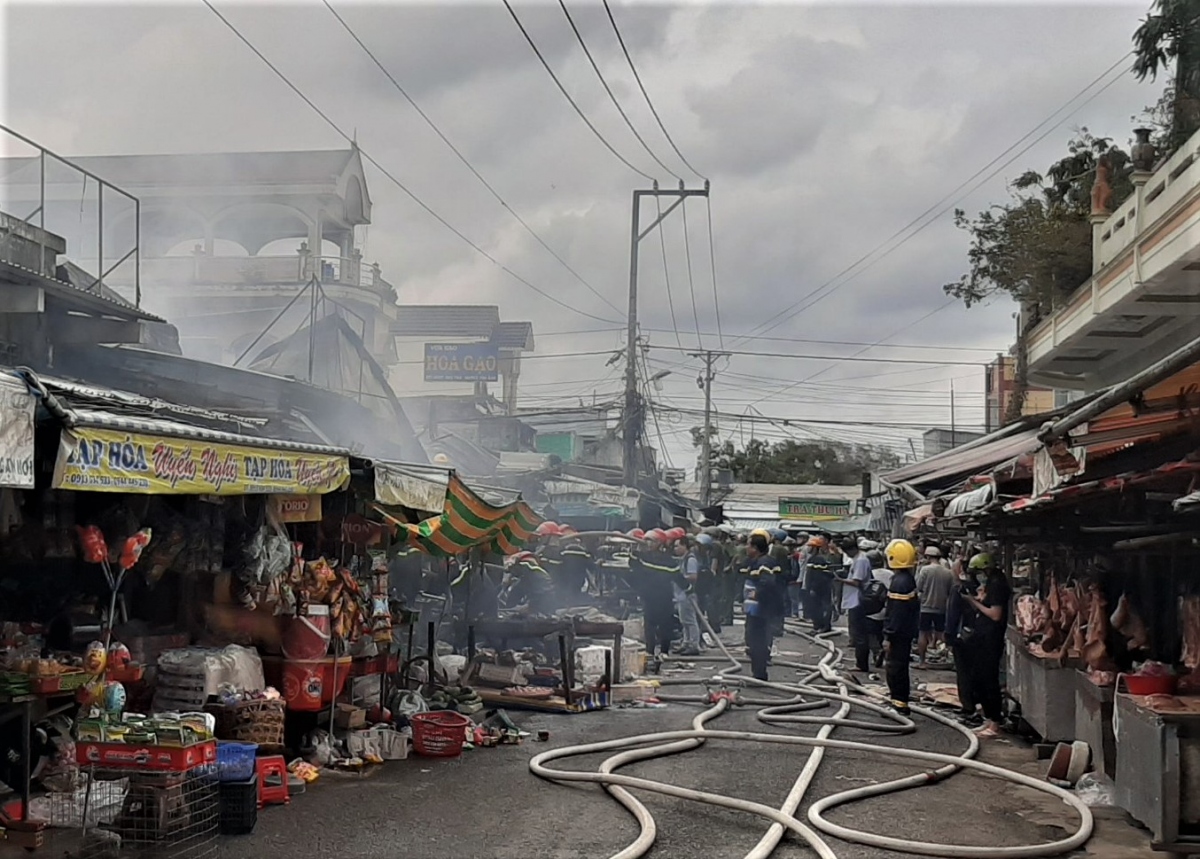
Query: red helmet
point(548, 529)
point(658, 535)
point(567, 530)
point(676, 533)
point(637, 534)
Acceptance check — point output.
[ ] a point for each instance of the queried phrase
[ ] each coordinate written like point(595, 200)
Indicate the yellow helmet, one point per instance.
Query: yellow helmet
point(901, 555)
point(760, 532)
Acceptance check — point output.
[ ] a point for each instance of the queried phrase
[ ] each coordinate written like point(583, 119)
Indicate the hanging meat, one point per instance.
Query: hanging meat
point(1126, 621)
point(1095, 648)
point(1189, 624)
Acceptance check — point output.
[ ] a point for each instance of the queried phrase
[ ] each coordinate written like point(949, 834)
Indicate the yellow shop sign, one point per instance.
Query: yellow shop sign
point(103, 460)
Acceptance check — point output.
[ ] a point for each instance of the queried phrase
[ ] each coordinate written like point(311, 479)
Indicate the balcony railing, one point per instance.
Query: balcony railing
point(201, 269)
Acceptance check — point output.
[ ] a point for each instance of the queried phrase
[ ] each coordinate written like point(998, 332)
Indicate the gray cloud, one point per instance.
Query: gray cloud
point(824, 129)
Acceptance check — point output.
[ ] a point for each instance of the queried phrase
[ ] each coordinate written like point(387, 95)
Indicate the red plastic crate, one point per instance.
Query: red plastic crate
point(146, 758)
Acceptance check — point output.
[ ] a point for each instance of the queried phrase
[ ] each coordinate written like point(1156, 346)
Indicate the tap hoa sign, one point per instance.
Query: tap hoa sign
point(101, 460)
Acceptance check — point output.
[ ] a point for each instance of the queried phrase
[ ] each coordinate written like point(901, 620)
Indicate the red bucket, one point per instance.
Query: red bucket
point(1149, 684)
point(310, 685)
point(439, 734)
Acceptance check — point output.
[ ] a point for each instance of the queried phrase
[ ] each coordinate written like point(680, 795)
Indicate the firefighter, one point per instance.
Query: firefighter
point(764, 600)
point(654, 573)
point(576, 565)
point(902, 620)
point(527, 583)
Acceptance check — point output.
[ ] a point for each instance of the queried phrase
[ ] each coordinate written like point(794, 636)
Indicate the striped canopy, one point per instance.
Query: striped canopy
point(467, 521)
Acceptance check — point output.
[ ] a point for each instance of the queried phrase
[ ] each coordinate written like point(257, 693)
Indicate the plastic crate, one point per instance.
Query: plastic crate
point(239, 806)
point(235, 761)
point(146, 758)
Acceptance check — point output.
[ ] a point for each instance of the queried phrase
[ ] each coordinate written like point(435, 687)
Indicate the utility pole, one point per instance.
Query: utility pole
point(709, 357)
point(632, 418)
point(953, 425)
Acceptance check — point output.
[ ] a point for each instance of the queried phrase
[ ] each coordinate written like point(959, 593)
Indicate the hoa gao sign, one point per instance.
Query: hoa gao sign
point(461, 362)
point(101, 460)
point(815, 510)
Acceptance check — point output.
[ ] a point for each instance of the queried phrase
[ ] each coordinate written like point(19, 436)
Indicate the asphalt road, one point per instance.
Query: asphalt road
point(487, 804)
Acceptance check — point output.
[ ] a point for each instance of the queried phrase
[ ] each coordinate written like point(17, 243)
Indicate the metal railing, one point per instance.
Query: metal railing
point(18, 190)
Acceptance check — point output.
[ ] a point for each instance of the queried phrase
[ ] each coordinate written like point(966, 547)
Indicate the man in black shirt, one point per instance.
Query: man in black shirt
point(991, 620)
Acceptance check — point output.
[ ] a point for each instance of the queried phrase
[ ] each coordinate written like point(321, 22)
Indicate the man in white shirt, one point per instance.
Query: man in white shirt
point(858, 572)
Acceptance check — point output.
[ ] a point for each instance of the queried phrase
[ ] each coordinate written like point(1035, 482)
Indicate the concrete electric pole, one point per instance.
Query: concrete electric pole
point(632, 418)
point(705, 381)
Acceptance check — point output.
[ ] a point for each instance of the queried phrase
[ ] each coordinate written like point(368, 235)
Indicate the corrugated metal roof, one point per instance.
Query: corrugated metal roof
point(970, 459)
point(513, 335)
point(174, 429)
point(446, 320)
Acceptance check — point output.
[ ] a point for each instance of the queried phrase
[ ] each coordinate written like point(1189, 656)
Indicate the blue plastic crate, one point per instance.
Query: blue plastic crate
point(235, 761)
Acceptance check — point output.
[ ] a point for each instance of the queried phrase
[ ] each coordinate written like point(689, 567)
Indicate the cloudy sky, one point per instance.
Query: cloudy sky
point(824, 129)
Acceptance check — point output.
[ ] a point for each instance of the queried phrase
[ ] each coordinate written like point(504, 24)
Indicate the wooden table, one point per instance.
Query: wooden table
point(566, 630)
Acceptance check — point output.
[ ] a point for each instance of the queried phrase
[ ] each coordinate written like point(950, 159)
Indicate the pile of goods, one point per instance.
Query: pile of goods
point(175, 730)
point(319, 583)
point(461, 699)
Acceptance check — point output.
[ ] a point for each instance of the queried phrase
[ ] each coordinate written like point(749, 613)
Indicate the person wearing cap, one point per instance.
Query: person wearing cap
point(935, 581)
point(575, 567)
point(856, 614)
point(763, 599)
point(991, 605)
point(875, 621)
point(901, 623)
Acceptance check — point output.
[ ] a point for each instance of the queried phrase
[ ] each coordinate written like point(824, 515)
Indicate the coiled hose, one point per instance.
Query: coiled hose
point(816, 689)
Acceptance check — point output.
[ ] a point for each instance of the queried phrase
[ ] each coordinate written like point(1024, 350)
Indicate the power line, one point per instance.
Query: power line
point(463, 158)
point(612, 96)
point(667, 272)
point(800, 306)
point(411, 195)
point(938, 363)
point(562, 89)
point(687, 252)
point(712, 265)
point(646, 95)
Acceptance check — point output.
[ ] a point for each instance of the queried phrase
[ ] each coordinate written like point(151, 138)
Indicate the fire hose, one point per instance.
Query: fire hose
point(808, 694)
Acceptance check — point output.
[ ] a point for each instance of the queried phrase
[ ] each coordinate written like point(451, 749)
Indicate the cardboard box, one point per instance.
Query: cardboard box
point(350, 717)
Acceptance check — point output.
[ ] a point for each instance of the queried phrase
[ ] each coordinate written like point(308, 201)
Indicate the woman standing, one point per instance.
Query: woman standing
point(987, 642)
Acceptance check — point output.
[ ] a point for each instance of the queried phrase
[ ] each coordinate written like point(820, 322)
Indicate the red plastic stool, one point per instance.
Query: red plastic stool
point(272, 794)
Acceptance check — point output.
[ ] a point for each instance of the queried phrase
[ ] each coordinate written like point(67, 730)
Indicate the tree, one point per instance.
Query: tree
point(1038, 248)
point(1171, 35)
point(793, 461)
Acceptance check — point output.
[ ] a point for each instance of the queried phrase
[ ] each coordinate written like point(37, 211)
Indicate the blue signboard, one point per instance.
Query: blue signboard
point(461, 362)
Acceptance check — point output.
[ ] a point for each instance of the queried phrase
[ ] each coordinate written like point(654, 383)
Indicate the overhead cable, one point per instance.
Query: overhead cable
point(870, 258)
point(562, 89)
point(464, 160)
point(411, 195)
point(611, 95)
point(637, 77)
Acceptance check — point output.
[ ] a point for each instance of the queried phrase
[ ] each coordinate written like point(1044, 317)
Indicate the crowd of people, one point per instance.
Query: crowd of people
point(940, 603)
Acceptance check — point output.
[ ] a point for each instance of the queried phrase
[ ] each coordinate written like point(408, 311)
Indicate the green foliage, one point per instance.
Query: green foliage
point(1038, 247)
point(1170, 36)
point(800, 462)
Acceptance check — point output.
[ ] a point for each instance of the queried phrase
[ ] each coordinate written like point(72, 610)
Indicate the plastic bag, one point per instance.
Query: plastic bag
point(407, 703)
point(317, 748)
point(1095, 790)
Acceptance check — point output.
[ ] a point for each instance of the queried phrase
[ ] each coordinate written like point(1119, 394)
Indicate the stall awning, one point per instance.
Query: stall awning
point(107, 452)
point(978, 457)
point(971, 501)
point(1073, 491)
point(419, 487)
point(848, 525)
point(467, 522)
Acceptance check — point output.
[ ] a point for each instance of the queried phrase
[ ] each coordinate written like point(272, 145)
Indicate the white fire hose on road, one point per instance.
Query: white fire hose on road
point(643, 747)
